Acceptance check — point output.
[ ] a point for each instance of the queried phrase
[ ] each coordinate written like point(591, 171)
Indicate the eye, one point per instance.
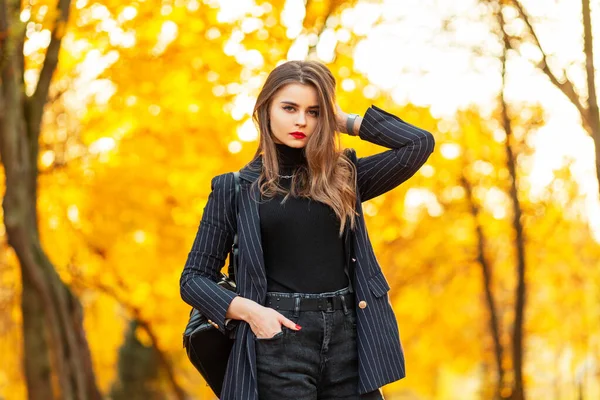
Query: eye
point(288, 108)
point(314, 113)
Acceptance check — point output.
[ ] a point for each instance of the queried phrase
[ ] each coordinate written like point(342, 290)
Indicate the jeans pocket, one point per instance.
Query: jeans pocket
point(278, 335)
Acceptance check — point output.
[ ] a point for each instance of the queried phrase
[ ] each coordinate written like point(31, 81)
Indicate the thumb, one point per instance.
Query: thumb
point(289, 323)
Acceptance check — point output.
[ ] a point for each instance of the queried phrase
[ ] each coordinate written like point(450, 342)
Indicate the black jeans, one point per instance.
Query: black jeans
point(318, 362)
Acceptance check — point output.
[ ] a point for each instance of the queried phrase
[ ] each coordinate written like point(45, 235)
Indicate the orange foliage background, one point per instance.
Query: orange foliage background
point(140, 122)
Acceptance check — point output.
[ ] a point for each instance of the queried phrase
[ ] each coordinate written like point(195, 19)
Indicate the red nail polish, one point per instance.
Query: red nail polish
point(298, 327)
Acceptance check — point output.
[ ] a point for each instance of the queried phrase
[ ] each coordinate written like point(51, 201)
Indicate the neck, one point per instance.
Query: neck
point(289, 157)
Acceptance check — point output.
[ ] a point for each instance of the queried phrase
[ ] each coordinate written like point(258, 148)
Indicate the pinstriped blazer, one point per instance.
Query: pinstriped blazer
point(380, 354)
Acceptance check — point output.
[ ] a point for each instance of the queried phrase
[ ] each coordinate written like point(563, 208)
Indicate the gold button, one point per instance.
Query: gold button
point(362, 304)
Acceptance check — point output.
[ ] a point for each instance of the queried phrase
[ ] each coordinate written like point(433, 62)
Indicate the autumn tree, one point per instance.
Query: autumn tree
point(585, 98)
point(56, 356)
point(150, 101)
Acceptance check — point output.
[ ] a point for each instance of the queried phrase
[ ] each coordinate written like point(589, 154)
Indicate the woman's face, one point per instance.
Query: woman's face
point(294, 112)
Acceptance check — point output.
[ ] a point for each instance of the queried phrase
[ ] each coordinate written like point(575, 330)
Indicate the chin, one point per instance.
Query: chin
point(298, 144)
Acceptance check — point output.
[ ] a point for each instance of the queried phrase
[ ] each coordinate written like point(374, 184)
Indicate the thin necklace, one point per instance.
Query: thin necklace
point(286, 176)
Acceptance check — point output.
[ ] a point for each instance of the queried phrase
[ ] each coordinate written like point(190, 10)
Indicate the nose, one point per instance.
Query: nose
point(301, 120)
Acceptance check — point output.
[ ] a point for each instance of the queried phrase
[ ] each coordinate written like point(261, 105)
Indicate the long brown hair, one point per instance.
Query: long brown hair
point(330, 176)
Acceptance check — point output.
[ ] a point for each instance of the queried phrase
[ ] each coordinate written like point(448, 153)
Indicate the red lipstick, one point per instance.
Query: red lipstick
point(298, 135)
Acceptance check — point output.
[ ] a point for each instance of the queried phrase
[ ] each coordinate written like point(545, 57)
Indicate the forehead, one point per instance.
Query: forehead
point(303, 95)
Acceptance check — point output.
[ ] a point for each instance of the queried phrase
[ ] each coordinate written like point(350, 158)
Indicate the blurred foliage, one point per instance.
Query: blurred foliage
point(145, 109)
point(138, 370)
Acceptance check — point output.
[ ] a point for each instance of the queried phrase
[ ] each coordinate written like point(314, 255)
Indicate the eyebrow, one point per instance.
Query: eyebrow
point(294, 104)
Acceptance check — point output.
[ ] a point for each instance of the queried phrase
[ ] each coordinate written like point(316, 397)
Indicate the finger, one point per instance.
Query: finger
point(289, 324)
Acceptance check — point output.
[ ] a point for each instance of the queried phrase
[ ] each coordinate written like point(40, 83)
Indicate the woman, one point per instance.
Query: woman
point(312, 316)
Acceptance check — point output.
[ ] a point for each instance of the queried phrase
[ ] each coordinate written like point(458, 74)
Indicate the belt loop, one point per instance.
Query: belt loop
point(330, 303)
point(343, 298)
point(296, 306)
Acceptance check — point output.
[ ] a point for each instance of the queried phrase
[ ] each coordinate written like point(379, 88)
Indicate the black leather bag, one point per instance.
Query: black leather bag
point(208, 348)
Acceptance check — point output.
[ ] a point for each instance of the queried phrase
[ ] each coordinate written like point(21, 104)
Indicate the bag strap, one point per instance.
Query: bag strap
point(233, 255)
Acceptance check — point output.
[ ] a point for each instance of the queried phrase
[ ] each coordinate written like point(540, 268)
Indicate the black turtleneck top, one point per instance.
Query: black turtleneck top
point(302, 249)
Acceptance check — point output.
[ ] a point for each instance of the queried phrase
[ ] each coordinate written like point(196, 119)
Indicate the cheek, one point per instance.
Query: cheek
point(274, 121)
point(279, 120)
point(276, 128)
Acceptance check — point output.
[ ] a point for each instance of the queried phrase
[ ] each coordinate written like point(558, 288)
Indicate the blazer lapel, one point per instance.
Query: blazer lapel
point(252, 264)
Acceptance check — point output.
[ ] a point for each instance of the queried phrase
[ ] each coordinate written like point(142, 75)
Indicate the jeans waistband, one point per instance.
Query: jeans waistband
point(339, 292)
point(339, 300)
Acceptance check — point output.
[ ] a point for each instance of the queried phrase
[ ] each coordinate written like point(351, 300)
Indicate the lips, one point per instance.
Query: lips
point(298, 135)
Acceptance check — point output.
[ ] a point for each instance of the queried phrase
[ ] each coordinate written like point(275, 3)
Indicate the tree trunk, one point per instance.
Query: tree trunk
point(592, 109)
point(520, 301)
point(57, 361)
point(487, 285)
point(38, 370)
point(138, 374)
point(53, 323)
point(161, 356)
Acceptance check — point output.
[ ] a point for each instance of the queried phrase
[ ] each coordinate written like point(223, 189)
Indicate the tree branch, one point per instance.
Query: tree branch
point(37, 101)
point(567, 87)
point(588, 48)
point(486, 269)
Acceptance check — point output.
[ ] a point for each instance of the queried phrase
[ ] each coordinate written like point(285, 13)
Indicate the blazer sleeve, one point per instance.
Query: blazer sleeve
point(209, 251)
point(409, 148)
